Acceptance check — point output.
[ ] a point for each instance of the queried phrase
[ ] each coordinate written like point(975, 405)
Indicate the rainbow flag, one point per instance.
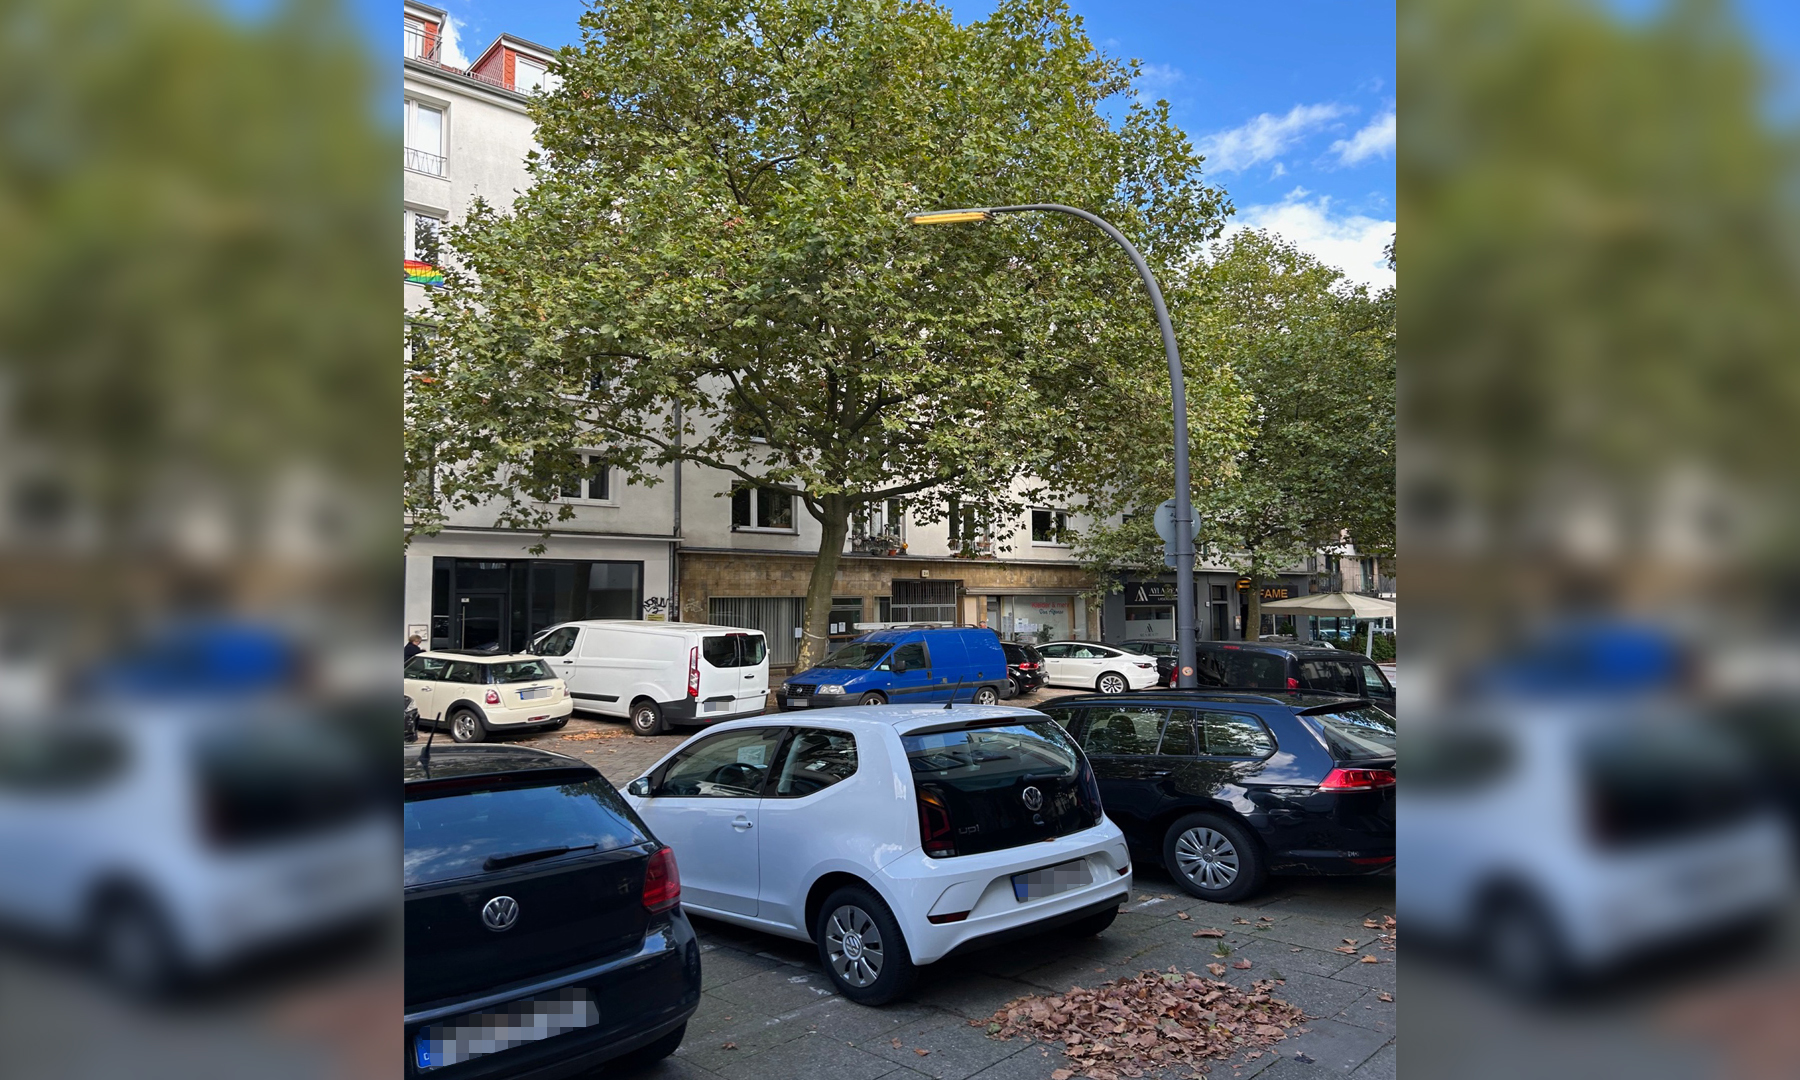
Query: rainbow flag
point(422, 273)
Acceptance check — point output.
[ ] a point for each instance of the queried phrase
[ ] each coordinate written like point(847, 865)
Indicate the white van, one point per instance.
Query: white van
point(659, 674)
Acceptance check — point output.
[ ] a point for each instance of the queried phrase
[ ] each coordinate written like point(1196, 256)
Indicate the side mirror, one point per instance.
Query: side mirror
point(899, 667)
point(639, 787)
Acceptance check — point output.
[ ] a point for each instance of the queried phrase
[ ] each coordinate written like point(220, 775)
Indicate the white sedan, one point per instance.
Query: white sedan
point(891, 836)
point(1092, 666)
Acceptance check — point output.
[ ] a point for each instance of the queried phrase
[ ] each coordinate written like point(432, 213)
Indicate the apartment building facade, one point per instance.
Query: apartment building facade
point(467, 134)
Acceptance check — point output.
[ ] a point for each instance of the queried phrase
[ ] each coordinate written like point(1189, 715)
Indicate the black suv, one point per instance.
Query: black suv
point(1024, 667)
point(1252, 665)
point(1165, 651)
point(544, 931)
point(1225, 788)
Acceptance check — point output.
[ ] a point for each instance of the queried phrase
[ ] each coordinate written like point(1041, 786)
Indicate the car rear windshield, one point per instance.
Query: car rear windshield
point(266, 783)
point(1660, 782)
point(1242, 670)
point(1357, 734)
point(453, 836)
point(521, 671)
point(981, 776)
point(858, 655)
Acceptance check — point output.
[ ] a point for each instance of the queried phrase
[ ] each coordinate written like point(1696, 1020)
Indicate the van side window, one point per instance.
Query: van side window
point(1372, 679)
point(557, 642)
point(814, 761)
point(1332, 676)
point(913, 653)
point(719, 650)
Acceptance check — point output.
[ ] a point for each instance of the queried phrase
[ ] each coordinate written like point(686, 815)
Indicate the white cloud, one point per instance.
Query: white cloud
point(451, 51)
point(1278, 171)
point(1354, 243)
point(1154, 80)
point(1374, 140)
point(1266, 136)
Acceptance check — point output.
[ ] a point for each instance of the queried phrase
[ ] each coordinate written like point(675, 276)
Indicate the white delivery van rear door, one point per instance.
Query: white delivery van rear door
point(734, 673)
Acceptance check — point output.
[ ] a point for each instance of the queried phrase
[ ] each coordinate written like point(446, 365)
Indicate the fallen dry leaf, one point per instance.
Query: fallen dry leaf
point(897, 1044)
point(602, 733)
point(1368, 960)
point(920, 1052)
point(1241, 922)
point(1181, 914)
point(1348, 950)
point(1349, 941)
point(1154, 1021)
point(1207, 931)
point(1384, 996)
point(1241, 965)
point(729, 1046)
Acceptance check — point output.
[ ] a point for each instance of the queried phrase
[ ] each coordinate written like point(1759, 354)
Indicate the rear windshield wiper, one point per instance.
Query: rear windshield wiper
point(501, 862)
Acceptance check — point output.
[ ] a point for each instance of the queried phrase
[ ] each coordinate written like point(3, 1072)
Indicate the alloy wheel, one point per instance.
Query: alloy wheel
point(1207, 858)
point(465, 728)
point(853, 946)
point(1112, 684)
point(986, 696)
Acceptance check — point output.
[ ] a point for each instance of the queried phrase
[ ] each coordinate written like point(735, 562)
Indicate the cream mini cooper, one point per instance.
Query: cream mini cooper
point(480, 694)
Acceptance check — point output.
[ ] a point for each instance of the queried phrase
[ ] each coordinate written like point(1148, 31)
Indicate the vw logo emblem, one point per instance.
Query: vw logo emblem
point(500, 913)
point(1032, 798)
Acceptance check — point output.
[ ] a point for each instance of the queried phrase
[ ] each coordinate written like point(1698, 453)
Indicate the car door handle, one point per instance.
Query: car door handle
point(742, 823)
point(1158, 775)
point(749, 676)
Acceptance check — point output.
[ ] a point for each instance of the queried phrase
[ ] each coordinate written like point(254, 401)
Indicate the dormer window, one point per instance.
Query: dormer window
point(528, 75)
point(421, 40)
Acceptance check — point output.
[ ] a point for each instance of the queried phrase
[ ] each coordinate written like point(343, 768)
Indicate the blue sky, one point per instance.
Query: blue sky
point(1293, 102)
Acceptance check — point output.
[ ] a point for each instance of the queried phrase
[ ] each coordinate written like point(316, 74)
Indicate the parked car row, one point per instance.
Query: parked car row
point(547, 920)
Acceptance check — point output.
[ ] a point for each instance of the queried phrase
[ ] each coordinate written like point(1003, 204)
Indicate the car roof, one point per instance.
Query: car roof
point(483, 657)
point(902, 718)
point(651, 624)
point(1297, 649)
point(1293, 699)
point(454, 761)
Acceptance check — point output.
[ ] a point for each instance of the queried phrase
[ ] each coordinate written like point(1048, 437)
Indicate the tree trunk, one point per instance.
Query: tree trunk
point(1253, 619)
point(836, 525)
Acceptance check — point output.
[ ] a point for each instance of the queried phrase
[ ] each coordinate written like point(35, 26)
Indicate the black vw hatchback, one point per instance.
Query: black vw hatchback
point(544, 931)
point(1225, 788)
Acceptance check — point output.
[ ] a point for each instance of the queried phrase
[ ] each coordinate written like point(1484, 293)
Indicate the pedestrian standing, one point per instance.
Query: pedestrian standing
point(413, 648)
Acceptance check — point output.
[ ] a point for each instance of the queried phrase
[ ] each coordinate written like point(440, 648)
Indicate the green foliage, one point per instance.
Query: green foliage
point(712, 263)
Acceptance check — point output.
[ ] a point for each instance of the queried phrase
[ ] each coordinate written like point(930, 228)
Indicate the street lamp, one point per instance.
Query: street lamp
point(1184, 506)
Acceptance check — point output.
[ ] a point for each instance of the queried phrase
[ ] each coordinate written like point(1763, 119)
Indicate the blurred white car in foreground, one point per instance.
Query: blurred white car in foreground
point(1559, 840)
point(175, 843)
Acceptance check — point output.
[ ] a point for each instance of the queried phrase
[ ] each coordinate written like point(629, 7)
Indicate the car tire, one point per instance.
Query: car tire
point(133, 946)
point(985, 695)
point(646, 718)
point(558, 725)
point(1111, 682)
point(1013, 683)
point(1214, 858)
point(849, 920)
point(872, 698)
point(1518, 945)
point(1090, 925)
point(647, 1055)
point(466, 727)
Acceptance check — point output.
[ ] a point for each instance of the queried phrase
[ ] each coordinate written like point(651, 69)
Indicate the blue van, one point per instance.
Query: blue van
point(903, 666)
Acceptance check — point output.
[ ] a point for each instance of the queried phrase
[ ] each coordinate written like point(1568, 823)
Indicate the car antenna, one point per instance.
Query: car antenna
point(425, 752)
point(960, 683)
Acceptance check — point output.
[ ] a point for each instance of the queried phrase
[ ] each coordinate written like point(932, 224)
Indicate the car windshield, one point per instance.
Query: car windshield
point(1354, 734)
point(521, 671)
point(858, 654)
point(453, 837)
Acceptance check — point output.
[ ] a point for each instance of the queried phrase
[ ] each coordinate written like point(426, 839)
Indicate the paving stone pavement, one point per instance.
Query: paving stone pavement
point(767, 998)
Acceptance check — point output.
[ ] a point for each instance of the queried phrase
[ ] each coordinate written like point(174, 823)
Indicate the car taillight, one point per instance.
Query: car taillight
point(1028, 666)
point(934, 827)
point(694, 671)
point(662, 882)
point(1090, 787)
point(1293, 683)
point(493, 697)
point(1357, 779)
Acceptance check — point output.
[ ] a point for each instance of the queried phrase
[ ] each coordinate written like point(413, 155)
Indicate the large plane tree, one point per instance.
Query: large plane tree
point(712, 265)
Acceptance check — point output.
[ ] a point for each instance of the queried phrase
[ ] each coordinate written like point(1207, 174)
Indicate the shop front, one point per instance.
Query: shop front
point(1145, 610)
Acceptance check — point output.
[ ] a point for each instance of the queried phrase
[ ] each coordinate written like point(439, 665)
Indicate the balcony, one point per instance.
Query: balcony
point(421, 162)
point(427, 47)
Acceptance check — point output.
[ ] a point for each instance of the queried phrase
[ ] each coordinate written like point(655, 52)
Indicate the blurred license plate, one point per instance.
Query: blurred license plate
point(1036, 884)
point(534, 693)
point(796, 703)
point(715, 706)
point(505, 1026)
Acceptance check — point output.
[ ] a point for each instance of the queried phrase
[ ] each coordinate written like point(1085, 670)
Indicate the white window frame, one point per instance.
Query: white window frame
point(755, 505)
point(413, 105)
point(1061, 526)
point(521, 60)
point(612, 483)
point(409, 224)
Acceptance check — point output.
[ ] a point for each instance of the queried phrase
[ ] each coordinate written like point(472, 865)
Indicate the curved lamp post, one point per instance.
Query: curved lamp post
point(1184, 507)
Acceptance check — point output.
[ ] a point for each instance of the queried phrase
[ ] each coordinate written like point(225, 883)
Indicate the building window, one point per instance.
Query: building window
point(778, 617)
point(424, 235)
point(421, 39)
point(762, 508)
point(1050, 527)
point(586, 479)
point(424, 126)
point(528, 75)
point(968, 523)
point(922, 602)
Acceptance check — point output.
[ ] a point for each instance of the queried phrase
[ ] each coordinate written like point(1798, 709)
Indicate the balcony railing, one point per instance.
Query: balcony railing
point(420, 161)
point(428, 47)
